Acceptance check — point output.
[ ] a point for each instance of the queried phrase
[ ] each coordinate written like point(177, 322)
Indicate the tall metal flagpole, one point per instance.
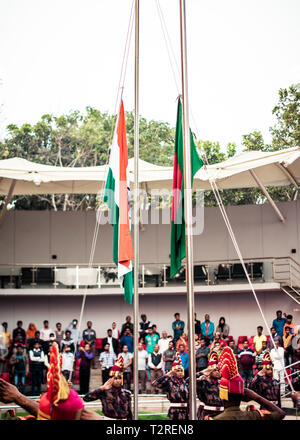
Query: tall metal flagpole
point(136, 214)
point(188, 213)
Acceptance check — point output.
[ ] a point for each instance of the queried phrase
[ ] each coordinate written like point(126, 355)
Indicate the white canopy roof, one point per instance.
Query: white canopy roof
point(273, 169)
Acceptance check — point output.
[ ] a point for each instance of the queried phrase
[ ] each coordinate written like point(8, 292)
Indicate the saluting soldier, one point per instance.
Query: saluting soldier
point(177, 390)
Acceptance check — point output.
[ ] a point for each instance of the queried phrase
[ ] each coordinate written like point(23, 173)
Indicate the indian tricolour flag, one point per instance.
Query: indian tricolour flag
point(116, 195)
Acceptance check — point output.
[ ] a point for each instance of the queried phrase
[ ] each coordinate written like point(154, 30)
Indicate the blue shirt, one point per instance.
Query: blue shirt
point(127, 340)
point(279, 326)
point(178, 332)
point(211, 329)
point(184, 360)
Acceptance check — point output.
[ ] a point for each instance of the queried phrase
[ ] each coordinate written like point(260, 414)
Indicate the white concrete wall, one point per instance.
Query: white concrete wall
point(33, 236)
point(239, 309)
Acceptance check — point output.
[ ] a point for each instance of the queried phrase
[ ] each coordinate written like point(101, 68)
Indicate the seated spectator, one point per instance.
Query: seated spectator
point(169, 357)
point(59, 334)
point(30, 332)
point(115, 331)
point(144, 326)
point(223, 328)
point(207, 328)
point(202, 356)
point(279, 322)
point(197, 325)
point(291, 325)
point(275, 336)
point(45, 332)
point(6, 333)
point(288, 347)
point(183, 340)
point(258, 340)
point(127, 324)
point(127, 339)
point(67, 341)
point(31, 342)
point(259, 357)
point(246, 361)
point(19, 333)
point(37, 359)
point(163, 343)
point(19, 362)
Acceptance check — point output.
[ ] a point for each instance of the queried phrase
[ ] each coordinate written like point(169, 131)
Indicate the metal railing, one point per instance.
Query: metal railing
point(285, 271)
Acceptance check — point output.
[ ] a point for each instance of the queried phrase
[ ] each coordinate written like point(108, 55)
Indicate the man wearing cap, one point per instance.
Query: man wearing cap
point(232, 392)
point(177, 390)
point(207, 387)
point(116, 400)
point(264, 383)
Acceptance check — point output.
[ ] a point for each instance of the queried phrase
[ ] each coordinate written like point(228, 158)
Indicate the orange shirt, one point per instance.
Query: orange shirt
point(292, 326)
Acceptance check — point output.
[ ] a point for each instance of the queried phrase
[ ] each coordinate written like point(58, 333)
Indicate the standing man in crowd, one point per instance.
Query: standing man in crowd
point(127, 324)
point(246, 361)
point(19, 362)
point(258, 340)
point(155, 364)
point(184, 356)
point(68, 341)
point(259, 357)
point(289, 323)
point(144, 326)
point(19, 334)
point(264, 383)
point(163, 343)
point(115, 331)
point(86, 355)
point(72, 327)
point(202, 356)
point(275, 336)
point(169, 357)
point(279, 322)
point(107, 359)
point(142, 364)
point(178, 327)
point(59, 334)
point(277, 357)
point(113, 343)
point(197, 325)
point(287, 345)
point(45, 331)
point(67, 362)
point(207, 328)
point(37, 362)
point(89, 337)
point(6, 333)
point(127, 362)
point(127, 339)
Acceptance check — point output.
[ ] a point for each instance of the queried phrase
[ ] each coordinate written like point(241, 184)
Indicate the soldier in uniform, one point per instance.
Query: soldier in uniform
point(207, 387)
point(116, 400)
point(177, 390)
point(264, 383)
point(232, 392)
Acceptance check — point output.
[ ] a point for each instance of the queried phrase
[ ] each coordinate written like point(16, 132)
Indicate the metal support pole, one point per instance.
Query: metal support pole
point(253, 174)
point(188, 214)
point(136, 217)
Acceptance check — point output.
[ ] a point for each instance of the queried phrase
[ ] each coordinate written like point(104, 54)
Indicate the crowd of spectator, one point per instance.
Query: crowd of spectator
point(26, 353)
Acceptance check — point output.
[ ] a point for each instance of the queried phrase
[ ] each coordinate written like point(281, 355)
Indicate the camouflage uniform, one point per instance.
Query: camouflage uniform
point(116, 402)
point(177, 391)
point(269, 388)
point(208, 394)
point(235, 413)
